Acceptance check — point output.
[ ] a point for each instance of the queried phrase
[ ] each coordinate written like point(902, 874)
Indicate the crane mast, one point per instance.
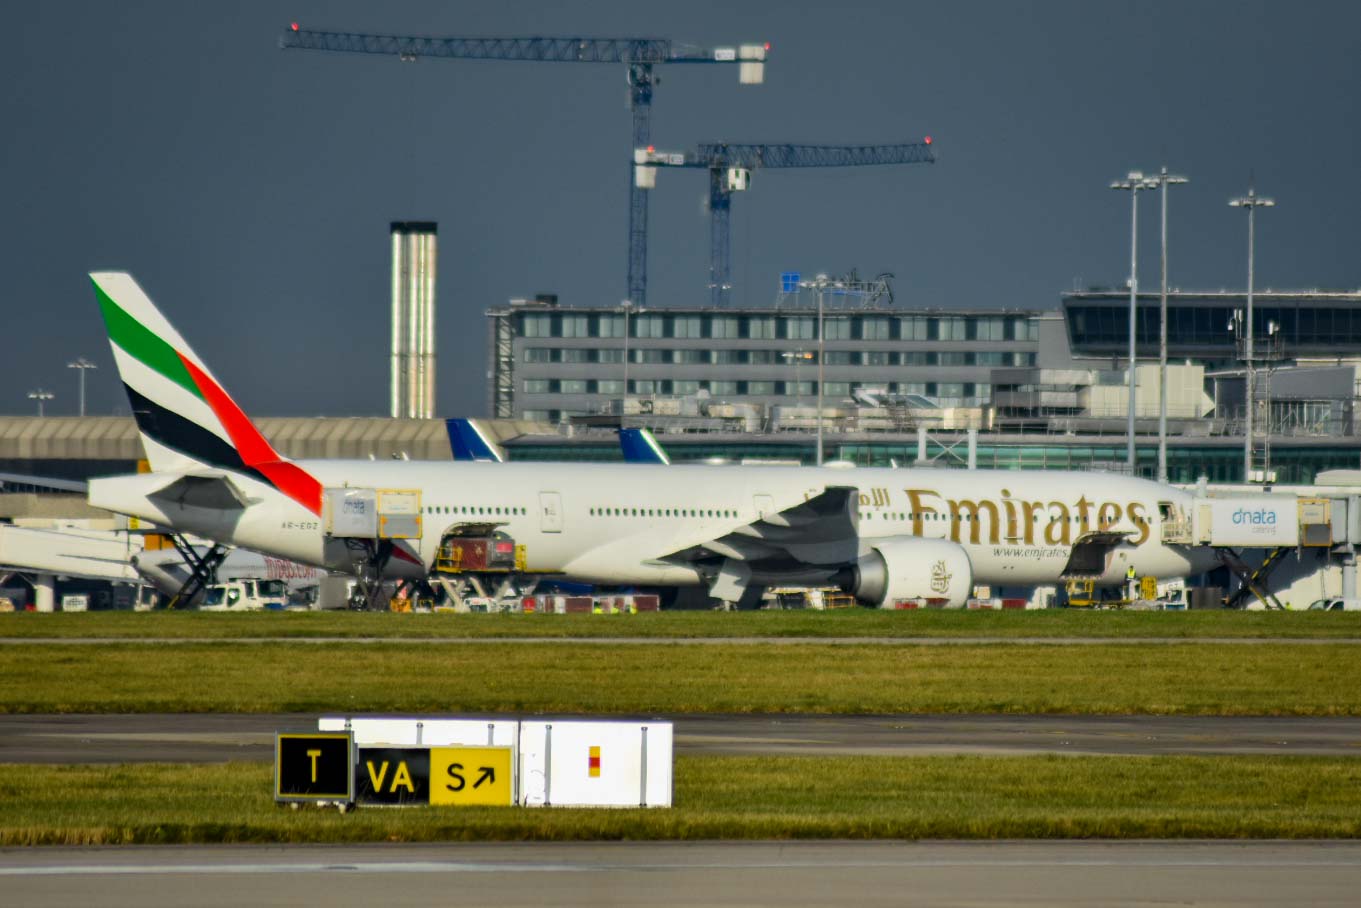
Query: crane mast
point(640, 55)
point(730, 166)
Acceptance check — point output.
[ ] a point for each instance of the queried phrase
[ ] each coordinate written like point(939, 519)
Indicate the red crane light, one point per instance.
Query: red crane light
point(928, 140)
point(294, 26)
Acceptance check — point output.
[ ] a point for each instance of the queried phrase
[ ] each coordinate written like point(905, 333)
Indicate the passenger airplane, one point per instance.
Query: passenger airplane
point(881, 534)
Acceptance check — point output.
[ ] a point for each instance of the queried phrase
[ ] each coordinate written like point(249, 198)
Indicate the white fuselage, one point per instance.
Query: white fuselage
point(611, 523)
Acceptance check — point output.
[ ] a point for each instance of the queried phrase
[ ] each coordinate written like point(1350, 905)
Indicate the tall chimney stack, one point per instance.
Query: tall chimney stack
point(413, 319)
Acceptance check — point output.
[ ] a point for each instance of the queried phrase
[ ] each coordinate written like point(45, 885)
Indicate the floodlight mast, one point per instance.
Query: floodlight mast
point(83, 365)
point(1164, 179)
point(1134, 184)
point(1251, 202)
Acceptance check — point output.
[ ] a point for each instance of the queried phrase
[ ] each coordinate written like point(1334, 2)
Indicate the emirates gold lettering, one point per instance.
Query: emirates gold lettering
point(1136, 516)
point(1083, 523)
point(920, 510)
point(1030, 509)
point(974, 522)
point(969, 512)
point(1012, 534)
point(1060, 524)
point(1108, 515)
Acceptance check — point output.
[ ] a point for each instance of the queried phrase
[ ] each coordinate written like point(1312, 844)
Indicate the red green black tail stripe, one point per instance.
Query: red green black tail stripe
point(248, 451)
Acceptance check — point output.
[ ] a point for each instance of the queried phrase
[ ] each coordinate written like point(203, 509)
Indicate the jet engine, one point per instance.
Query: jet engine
point(913, 568)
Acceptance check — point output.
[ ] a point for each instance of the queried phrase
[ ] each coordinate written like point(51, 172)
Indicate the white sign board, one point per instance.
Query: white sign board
point(373, 732)
point(595, 764)
point(1260, 521)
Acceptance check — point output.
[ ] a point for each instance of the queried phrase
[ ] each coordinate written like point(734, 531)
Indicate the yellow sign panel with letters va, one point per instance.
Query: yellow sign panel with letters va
point(465, 776)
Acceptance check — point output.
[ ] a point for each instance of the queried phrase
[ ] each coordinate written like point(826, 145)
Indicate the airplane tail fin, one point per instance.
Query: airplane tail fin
point(469, 441)
point(187, 420)
point(641, 446)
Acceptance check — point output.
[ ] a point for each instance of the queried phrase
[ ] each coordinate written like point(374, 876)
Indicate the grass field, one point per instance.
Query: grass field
point(837, 623)
point(729, 798)
point(604, 678)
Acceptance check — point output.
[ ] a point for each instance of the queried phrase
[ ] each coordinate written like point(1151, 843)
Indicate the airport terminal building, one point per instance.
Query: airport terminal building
point(1041, 389)
point(1044, 388)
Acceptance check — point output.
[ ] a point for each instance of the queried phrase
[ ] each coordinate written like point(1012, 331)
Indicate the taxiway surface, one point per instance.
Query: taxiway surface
point(222, 737)
point(787, 875)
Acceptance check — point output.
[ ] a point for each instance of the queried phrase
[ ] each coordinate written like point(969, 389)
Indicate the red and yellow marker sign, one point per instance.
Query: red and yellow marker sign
point(594, 763)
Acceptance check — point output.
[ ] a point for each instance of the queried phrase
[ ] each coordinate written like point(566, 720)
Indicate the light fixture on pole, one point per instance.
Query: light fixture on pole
point(1134, 183)
point(1251, 202)
point(40, 396)
point(1164, 179)
point(83, 365)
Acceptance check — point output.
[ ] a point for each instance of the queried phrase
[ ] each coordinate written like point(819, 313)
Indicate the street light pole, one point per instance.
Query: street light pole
point(40, 396)
point(1163, 178)
point(1134, 183)
point(82, 365)
point(1251, 202)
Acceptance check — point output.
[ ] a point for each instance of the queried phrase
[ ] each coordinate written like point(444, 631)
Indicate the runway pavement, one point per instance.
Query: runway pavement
point(220, 737)
point(691, 641)
point(780, 875)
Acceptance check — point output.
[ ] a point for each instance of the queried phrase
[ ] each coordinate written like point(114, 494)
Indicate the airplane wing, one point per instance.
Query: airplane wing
point(822, 532)
point(45, 483)
point(88, 554)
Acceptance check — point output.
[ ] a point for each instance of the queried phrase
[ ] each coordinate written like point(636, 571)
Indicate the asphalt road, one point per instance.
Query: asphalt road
point(218, 738)
point(787, 875)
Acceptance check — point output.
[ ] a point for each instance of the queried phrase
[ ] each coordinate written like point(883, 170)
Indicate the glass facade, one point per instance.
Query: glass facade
point(1307, 323)
point(860, 326)
point(1293, 465)
point(558, 355)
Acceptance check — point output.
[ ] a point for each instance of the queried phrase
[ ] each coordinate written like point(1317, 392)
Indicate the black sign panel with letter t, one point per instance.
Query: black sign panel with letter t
point(314, 767)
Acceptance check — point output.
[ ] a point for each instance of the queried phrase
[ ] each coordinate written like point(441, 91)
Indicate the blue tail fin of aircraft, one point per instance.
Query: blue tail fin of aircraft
point(640, 446)
point(469, 441)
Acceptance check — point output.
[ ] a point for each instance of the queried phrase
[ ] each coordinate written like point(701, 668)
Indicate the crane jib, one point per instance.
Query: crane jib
point(548, 50)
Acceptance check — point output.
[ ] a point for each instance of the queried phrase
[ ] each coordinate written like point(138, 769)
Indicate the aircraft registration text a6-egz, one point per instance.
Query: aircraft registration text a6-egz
point(881, 534)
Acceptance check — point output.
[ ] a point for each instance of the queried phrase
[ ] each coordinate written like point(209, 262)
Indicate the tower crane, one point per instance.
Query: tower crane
point(730, 167)
point(640, 55)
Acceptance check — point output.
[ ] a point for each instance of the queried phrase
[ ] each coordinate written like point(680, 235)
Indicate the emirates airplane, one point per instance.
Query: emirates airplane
point(884, 535)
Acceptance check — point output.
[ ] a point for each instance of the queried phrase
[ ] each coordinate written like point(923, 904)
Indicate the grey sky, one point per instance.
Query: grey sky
point(249, 190)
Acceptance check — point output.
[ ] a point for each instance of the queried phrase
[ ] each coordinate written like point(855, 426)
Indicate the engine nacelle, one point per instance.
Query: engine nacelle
point(913, 568)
